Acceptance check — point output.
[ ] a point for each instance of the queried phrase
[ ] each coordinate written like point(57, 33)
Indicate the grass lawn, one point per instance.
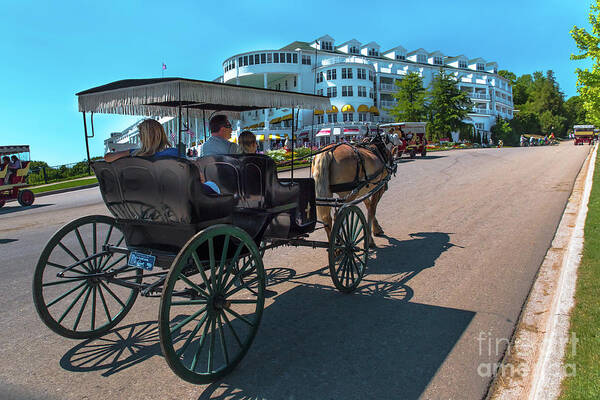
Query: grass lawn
point(585, 319)
point(65, 185)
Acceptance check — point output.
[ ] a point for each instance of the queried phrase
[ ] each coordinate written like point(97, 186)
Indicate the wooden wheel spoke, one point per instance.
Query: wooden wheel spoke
point(211, 260)
point(59, 266)
point(233, 261)
point(80, 313)
point(93, 316)
point(202, 273)
point(355, 221)
point(63, 281)
point(356, 238)
point(70, 253)
point(232, 330)
point(104, 304)
point(220, 273)
point(245, 286)
point(200, 345)
point(95, 244)
point(188, 319)
point(83, 248)
point(189, 302)
point(191, 336)
point(241, 317)
point(62, 296)
point(240, 274)
point(71, 305)
point(222, 339)
point(242, 301)
point(112, 294)
point(124, 256)
point(194, 286)
point(212, 345)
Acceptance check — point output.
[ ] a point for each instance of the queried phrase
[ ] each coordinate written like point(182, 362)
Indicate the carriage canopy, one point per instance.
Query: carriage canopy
point(14, 149)
point(163, 96)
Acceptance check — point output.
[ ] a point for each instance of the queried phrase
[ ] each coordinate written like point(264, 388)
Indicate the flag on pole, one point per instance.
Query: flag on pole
point(164, 66)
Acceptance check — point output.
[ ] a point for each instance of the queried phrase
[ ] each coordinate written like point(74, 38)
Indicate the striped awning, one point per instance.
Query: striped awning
point(374, 110)
point(347, 108)
point(333, 109)
point(363, 108)
point(275, 120)
point(286, 117)
point(318, 112)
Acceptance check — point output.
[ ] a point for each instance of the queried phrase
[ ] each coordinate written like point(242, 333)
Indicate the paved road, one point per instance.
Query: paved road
point(466, 233)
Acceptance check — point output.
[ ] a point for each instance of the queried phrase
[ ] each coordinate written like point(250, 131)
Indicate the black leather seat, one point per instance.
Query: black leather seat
point(159, 204)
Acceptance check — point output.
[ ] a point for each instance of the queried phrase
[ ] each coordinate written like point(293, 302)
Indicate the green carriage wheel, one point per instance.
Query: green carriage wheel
point(348, 249)
point(210, 308)
point(81, 304)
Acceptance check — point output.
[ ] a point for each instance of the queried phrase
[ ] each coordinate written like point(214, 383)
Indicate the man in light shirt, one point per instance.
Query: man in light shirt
point(218, 143)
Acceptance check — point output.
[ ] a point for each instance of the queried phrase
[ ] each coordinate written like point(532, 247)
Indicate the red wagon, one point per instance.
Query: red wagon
point(13, 181)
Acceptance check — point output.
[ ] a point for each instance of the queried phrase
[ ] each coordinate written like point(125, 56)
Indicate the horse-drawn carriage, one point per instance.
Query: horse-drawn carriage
point(411, 138)
point(583, 134)
point(200, 253)
point(14, 182)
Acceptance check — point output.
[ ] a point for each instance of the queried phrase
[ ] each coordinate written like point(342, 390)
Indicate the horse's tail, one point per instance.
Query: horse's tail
point(320, 170)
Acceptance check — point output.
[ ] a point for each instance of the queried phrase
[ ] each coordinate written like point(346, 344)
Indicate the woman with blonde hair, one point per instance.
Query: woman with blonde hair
point(154, 143)
point(247, 142)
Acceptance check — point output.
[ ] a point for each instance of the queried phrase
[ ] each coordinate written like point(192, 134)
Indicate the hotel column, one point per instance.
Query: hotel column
point(266, 111)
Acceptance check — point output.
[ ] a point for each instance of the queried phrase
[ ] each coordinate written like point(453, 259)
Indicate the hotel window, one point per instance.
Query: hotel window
point(320, 92)
point(332, 92)
point(288, 58)
point(371, 95)
point(400, 57)
point(348, 117)
point(346, 73)
point(263, 58)
point(276, 58)
point(295, 81)
point(373, 52)
point(437, 60)
point(326, 46)
point(319, 77)
point(269, 58)
point(286, 85)
point(306, 60)
point(462, 64)
point(295, 58)
point(480, 66)
point(251, 60)
point(478, 76)
point(245, 60)
point(353, 50)
point(479, 125)
point(362, 91)
point(240, 59)
point(361, 73)
point(371, 76)
point(331, 74)
point(347, 91)
point(320, 119)
point(422, 58)
point(510, 98)
point(362, 117)
point(332, 118)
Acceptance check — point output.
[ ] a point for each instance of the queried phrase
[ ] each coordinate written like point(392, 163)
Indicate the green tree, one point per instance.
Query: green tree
point(411, 97)
point(510, 76)
point(588, 81)
point(575, 112)
point(448, 106)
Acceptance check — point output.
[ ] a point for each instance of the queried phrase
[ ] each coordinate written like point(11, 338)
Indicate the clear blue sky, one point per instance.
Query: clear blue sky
point(51, 50)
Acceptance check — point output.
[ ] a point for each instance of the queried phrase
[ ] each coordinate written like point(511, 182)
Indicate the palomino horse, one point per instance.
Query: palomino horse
point(342, 167)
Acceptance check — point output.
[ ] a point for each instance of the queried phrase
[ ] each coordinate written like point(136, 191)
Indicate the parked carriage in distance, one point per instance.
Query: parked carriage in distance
point(13, 183)
point(411, 136)
point(200, 253)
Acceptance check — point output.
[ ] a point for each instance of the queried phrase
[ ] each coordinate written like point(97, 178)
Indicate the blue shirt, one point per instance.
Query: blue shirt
point(168, 152)
point(216, 145)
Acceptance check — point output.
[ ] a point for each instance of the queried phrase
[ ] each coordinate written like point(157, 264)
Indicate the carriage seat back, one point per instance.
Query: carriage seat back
point(252, 178)
point(159, 202)
point(3, 171)
point(24, 170)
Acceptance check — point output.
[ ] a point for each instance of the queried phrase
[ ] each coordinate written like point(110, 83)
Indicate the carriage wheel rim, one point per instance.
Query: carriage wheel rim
point(94, 305)
point(348, 250)
point(214, 340)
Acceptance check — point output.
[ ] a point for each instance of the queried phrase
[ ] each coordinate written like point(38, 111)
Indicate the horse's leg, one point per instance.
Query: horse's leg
point(376, 229)
point(324, 215)
point(368, 205)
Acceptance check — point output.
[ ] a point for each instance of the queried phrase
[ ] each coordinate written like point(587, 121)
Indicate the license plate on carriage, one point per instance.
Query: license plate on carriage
point(141, 260)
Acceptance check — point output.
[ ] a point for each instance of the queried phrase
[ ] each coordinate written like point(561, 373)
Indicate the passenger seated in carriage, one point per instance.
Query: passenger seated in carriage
point(4, 169)
point(156, 145)
point(220, 133)
point(247, 142)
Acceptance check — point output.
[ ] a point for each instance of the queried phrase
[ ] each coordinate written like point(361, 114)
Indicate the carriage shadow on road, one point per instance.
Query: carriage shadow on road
point(317, 343)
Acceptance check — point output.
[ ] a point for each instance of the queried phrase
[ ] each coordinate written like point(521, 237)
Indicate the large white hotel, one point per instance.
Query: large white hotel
point(360, 80)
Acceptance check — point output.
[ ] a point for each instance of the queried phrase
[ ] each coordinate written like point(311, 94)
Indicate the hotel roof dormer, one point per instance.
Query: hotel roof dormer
point(419, 55)
point(397, 53)
point(477, 64)
point(370, 49)
point(491, 67)
point(435, 58)
point(461, 61)
point(349, 47)
point(324, 43)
